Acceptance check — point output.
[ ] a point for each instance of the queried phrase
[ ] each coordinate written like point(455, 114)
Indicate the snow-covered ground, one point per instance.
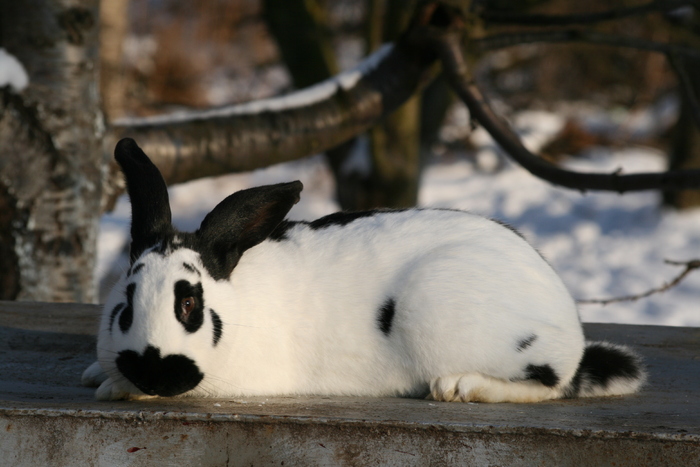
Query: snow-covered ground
point(603, 245)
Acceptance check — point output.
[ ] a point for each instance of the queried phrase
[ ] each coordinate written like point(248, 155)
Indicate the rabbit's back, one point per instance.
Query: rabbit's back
point(400, 297)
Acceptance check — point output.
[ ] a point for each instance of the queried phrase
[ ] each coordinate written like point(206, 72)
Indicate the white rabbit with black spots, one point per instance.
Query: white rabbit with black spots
point(417, 302)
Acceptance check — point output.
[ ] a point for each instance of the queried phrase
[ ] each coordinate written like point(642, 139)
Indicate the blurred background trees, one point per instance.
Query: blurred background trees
point(218, 52)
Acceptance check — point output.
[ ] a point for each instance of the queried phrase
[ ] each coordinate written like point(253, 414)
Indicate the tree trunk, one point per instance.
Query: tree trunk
point(390, 177)
point(299, 29)
point(685, 150)
point(685, 145)
point(395, 144)
point(114, 24)
point(51, 163)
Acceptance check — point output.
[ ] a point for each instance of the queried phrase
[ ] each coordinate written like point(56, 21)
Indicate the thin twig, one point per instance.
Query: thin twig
point(501, 41)
point(689, 266)
point(456, 70)
point(662, 6)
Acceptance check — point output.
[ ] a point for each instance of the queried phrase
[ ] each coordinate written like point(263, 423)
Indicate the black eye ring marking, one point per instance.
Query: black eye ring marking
point(189, 305)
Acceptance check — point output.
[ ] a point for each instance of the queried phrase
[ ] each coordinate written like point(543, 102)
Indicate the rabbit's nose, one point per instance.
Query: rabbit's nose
point(155, 375)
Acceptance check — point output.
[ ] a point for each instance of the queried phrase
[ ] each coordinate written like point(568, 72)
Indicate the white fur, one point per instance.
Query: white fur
point(475, 387)
point(300, 316)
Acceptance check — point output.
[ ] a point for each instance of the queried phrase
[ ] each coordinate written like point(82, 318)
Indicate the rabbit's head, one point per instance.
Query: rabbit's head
point(162, 323)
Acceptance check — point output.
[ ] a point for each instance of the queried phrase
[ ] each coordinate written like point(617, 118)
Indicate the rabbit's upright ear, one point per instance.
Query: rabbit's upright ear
point(150, 207)
point(241, 221)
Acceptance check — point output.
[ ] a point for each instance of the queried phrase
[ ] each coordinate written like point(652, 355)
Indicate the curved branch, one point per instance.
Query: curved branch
point(261, 133)
point(455, 68)
point(501, 41)
point(661, 6)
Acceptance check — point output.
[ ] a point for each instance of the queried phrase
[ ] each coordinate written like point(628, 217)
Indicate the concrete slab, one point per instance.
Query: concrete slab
point(47, 418)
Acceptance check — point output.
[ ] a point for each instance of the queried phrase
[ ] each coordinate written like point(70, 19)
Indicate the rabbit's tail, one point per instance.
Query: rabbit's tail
point(606, 370)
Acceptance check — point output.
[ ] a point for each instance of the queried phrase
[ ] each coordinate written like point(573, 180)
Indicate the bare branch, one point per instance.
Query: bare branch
point(500, 41)
point(656, 6)
point(677, 54)
point(455, 68)
point(689, 266)
point(262, 133)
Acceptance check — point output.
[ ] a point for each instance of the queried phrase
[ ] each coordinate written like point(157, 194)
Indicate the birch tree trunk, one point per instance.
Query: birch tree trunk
point(114, 24)
point(51, 163)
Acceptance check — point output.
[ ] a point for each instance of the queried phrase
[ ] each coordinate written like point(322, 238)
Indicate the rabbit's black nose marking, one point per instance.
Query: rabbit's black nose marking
point(155, 375)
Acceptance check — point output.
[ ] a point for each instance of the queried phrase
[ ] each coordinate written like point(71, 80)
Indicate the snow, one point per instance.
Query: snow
point(12, 73)
point(602, 244)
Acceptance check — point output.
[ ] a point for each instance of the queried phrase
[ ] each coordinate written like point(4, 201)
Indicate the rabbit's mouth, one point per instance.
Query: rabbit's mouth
point(155, 375)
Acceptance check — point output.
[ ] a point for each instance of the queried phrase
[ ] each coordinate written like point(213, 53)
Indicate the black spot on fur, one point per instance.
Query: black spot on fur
point(527, 342)
point(346, 217)
point(280, 232)
point(386, 316)
point(602, 363)
point(115, 311)
point(341, 218)
point(127, 315)
point(542, 373)
point(192, 320)
point(191, 269)
point(135, 269)
point(336, 219)
point(218, 326)
point(155, 375)
point(509, 227)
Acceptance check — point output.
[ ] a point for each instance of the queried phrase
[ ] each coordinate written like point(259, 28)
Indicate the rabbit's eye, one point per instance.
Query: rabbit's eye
point(188, 305)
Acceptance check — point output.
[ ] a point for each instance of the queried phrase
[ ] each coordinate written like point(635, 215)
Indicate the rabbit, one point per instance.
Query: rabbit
point(435, 303)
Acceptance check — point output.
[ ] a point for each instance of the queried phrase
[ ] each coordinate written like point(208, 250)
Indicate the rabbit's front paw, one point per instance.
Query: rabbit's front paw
point(475, 387)
point(93, 376)
point(108, 391)
point(457, 388)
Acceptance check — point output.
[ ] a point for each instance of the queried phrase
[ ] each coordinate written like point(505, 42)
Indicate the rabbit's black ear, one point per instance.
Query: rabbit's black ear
point(241, 221)
point(150, 208)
